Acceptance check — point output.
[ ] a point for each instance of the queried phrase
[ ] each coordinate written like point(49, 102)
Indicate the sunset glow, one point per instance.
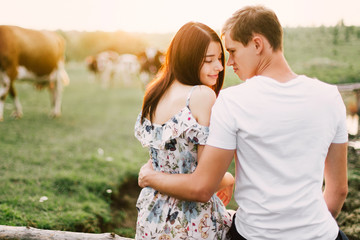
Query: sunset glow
point(161, 16)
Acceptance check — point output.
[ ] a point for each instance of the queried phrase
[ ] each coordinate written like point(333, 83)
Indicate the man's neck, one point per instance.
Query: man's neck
point(276, 67)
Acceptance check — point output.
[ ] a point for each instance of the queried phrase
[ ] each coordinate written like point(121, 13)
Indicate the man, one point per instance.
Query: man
point(288, 131)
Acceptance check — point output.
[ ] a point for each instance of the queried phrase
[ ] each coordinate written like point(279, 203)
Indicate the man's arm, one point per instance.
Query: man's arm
point(226, 186)
point(336, 182)
point(198, 186)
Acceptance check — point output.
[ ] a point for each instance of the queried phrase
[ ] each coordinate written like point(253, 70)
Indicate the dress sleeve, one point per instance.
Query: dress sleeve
point(141, 133)
point(198, 135)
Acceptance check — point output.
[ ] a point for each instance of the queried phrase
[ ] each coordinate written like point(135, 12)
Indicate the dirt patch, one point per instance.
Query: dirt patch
point(123, 209)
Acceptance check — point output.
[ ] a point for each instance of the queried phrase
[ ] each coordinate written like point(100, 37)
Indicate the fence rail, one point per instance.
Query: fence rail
point(29, 233)
point(347, 87)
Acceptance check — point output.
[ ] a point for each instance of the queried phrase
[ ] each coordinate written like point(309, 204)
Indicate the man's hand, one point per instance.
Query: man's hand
point(145, 170)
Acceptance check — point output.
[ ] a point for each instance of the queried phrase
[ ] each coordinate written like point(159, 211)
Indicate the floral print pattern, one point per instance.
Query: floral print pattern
point(173, 149)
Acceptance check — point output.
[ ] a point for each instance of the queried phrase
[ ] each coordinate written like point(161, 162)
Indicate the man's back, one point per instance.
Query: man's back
point(283, 132)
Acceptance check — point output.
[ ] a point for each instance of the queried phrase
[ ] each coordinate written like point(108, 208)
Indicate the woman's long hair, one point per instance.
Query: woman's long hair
point(184, 59)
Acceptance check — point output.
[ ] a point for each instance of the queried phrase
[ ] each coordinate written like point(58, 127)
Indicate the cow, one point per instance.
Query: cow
point(128, 67)
point(102, 65)
point(150, 61)
point(109, 66)
point(32, 55)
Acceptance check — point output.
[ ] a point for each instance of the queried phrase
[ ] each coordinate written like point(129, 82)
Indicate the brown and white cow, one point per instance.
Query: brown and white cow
point(109, 66)
point(102, 65)
point(150, 61)
point(37, 56)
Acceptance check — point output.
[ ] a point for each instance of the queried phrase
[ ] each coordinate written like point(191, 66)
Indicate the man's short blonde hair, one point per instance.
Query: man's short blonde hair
point(255, 19)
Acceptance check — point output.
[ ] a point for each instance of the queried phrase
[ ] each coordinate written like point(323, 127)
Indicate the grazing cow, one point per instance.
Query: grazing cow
point(150, 61)
point(128, 67)
point(36, 56)
point(102, 65)
point(109, 66)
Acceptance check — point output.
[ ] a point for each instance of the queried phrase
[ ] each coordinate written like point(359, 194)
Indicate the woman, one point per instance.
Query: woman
point(174, 125)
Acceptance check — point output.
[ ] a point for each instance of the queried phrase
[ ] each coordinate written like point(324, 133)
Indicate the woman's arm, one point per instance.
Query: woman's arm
point(336, 182)
point(226, 188)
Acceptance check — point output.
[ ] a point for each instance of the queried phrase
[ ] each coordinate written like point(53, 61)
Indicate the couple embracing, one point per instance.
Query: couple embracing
point(286, 133)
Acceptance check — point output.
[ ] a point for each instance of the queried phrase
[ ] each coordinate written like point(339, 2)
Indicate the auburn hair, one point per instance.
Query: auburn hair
point(183, 61)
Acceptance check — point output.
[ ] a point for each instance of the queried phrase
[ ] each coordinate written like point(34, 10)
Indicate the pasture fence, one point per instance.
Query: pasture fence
point(351, 87)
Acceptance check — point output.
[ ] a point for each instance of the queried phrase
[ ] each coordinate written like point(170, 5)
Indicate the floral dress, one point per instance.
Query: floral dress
point(173, 149)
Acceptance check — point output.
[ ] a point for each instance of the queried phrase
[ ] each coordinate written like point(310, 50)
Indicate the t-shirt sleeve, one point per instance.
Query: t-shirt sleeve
point(341, 135)
point(222, 131)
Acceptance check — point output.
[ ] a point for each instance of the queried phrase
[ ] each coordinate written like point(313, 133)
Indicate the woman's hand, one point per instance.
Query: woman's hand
point(225, 194)
point(145, 170)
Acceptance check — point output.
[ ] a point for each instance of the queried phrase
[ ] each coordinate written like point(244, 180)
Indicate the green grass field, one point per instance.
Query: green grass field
point(73, 160)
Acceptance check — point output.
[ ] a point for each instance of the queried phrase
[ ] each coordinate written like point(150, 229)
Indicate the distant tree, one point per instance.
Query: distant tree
point(349, 30)
point(336, 35)
point(83, 44)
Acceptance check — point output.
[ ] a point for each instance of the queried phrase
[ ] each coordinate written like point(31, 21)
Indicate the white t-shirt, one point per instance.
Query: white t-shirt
point(281, 133)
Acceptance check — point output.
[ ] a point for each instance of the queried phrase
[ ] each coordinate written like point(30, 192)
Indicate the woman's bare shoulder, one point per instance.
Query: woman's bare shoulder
point(204, 93)
point(201, 102)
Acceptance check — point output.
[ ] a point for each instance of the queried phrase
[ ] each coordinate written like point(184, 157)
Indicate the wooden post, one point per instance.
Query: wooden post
point(351, 87)
point(29, 233)
point(357, 92)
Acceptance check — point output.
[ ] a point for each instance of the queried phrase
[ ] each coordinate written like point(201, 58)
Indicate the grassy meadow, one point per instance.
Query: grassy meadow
point(79, 172)
point(78, 161)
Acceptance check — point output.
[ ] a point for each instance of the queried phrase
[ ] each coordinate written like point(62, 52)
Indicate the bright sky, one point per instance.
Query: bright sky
point(160, 16)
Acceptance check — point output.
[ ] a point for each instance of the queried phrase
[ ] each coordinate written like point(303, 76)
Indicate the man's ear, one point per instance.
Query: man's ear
point(258, 44)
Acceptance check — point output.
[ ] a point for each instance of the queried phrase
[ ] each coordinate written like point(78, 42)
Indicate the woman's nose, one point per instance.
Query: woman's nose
point(219, 66)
